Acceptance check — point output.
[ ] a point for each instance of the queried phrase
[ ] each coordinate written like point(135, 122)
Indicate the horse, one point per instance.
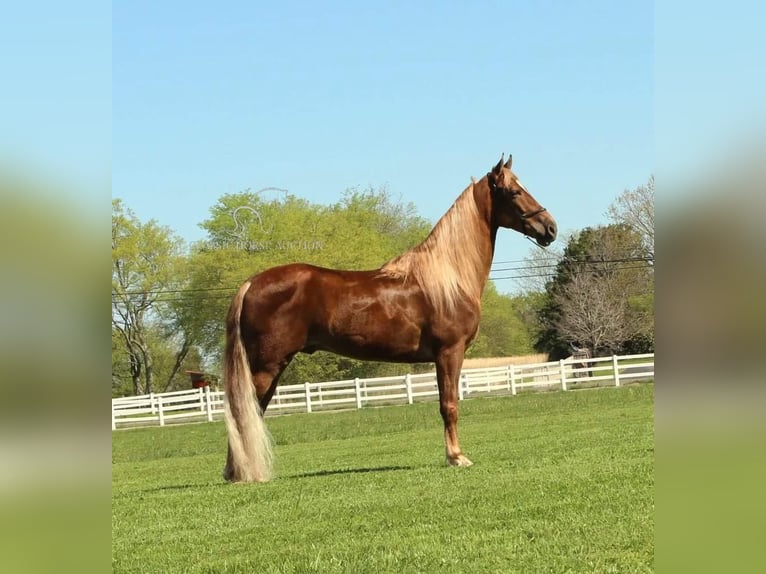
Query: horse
point(421, 306)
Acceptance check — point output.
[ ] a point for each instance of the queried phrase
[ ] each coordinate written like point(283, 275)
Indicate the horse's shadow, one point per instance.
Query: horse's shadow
point(316, 473)
point(347, 471)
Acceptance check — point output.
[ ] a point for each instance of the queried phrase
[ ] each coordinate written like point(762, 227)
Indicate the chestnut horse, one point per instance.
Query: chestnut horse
point(421, 306)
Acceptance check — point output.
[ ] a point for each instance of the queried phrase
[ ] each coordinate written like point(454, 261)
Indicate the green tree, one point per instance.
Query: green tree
point(170, 361)
point(502, 331)
point(121, 375)
point(600, 293)
point(369, 227)
point(146, 263)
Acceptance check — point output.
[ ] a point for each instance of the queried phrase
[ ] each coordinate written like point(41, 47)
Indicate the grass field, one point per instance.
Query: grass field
point(562, 482)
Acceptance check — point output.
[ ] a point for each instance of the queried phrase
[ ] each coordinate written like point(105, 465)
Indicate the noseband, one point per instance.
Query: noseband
point(532, 213)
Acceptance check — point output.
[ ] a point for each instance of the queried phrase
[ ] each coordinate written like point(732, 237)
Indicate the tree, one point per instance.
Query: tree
point(599, 294)
point(635, 208)
point(502, 331)
point(146, 259)
point(594, 312)
point(121, 375)
point(169, 362)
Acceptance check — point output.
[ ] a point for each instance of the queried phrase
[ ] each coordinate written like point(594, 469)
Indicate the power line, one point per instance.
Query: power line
point(550, 255)
point(574, 271)
point(215, 293)
point(155, 291)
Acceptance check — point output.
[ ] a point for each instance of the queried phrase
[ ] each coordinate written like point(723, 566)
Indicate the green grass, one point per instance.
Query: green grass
point(562, 482)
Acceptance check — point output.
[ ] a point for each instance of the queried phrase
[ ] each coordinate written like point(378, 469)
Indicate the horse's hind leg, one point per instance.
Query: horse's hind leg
point(448, 365)
point(266, 378)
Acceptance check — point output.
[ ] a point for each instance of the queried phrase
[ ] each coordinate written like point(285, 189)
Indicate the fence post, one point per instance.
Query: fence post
point(162, 413)
point(308, 397)
point(208, 404)
point(616, 371)
point(408, 384)
point(513, 380)
point(202, 399)
point(151, 403)
point(460, 383)
point(114, 421)
point(358, 392)
point(563, 375)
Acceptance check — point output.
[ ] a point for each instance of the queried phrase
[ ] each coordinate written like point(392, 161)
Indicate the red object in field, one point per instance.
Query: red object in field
point(198, 379)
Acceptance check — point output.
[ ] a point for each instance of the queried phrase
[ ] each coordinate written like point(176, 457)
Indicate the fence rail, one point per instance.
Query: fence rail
point(205, 405)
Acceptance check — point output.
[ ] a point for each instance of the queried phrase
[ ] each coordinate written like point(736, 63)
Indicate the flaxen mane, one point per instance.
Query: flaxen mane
point(451, 262)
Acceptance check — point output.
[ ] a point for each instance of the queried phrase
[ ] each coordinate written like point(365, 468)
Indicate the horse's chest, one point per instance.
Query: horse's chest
point(460, 326)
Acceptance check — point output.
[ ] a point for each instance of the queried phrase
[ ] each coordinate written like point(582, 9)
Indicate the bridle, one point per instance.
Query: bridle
point(532, 213)
point(523, 216)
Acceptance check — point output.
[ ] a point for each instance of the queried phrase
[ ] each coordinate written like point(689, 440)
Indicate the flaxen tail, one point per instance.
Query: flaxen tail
point(250, 452)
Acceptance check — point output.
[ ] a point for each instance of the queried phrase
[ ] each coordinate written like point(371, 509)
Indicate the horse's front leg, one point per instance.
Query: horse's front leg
point(448, 364)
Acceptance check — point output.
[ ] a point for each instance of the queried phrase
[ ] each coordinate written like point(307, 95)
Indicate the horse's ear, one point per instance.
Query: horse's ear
point(499, 165)
point(508, 163)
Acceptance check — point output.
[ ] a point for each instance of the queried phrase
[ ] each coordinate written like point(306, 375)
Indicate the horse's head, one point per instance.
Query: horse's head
point(515, 208)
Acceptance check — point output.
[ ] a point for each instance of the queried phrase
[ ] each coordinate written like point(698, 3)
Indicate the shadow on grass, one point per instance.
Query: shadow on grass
point(208, 485)
point(349, 471)
point(171, 487)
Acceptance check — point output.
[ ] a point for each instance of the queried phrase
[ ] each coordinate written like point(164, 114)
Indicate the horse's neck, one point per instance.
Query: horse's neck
point(453, 262)
point(486, 230)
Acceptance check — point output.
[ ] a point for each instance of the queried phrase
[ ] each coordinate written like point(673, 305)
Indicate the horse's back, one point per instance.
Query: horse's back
point(305, 293)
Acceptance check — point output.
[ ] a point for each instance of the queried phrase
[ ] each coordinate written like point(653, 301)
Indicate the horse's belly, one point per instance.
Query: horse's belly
point(375, 340)
point(364, 349)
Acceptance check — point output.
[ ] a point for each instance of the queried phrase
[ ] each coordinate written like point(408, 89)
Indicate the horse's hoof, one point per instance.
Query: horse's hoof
point(460, 460)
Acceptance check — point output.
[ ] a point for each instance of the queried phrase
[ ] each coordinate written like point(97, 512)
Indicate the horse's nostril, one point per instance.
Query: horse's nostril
point(552, 230)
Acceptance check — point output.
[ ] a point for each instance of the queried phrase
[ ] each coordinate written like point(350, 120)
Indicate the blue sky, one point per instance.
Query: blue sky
point(56, 114)
point(174, 105)
point(320, 97)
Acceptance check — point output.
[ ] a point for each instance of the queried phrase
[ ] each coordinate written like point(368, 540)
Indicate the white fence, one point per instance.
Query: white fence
point(203, 404)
